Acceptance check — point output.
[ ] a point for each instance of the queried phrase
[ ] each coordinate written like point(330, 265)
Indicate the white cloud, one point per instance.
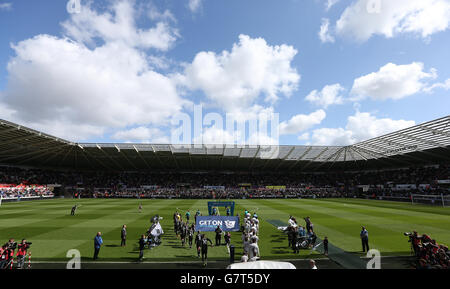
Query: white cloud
point(155, 15)
point(67, 89)
point(444, 85)
point(304, 136)
point(195, 5)
point(119, 25)
point(302, 122)
point(236, 79)
point(331, 3)
point(329, 95)
point(6, 6)
point(392, 82)
point(324, 34)
point(364, 126)
point(261, 138)
point(142, 134)
point(365, 18)
point(215, 135)
point(332, 136)
point(360, 127)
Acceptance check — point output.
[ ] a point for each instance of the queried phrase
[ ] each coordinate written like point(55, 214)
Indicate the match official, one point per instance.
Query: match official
point(142, 242)
point(218, 235)
point(98, 242)
point(123, 236)
point(364, 239)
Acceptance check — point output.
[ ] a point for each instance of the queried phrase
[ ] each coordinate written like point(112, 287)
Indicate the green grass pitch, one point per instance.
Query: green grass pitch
point(53, 231)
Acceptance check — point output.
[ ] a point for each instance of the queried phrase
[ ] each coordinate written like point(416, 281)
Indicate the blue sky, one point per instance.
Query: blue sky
point(385, 66)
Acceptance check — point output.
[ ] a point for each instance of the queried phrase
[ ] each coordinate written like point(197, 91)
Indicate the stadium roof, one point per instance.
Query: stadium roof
point(422, 144)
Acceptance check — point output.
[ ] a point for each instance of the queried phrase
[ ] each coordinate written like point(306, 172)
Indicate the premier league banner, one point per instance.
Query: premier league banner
point(210, 223)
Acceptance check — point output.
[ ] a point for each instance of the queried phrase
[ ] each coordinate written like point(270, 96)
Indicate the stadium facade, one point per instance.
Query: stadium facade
point(427, 143)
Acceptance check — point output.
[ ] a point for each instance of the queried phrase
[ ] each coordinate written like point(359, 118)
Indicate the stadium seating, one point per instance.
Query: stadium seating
point(399, 183)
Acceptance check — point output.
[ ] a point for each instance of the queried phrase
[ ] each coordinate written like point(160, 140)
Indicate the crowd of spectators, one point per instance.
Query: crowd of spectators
point(167, 184)
point(24, 192)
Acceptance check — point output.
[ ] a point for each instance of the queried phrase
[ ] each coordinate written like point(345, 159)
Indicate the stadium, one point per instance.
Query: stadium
point(179, 136)
point(392, 185)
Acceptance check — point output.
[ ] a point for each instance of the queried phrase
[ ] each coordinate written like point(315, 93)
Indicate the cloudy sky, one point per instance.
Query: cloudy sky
point(336, 71)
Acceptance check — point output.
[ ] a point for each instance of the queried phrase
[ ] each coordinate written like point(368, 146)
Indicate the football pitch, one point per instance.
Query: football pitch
point(51, 229)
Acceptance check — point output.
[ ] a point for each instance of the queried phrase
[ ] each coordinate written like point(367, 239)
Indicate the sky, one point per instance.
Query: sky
point(334, 72)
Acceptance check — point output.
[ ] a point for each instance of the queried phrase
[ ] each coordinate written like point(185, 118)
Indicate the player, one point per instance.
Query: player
point(140, 208)
point(188, 215)
point(191, 235)
point(198, 213)
point(183, 233)
point(198, 243)
point(204, 244)
point(227, 238)
point(253, 251)
point(74, 208)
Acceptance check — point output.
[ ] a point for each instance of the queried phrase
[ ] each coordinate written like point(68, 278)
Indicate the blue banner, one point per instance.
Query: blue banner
point(210, 223)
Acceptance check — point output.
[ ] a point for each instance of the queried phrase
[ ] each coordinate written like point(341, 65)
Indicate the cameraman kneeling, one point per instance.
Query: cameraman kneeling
point(22, 253)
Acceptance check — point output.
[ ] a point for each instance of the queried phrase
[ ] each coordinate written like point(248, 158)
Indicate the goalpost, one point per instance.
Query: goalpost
point(437, 200)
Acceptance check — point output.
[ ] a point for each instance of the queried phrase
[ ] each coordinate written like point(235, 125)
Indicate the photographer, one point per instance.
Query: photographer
point(415, 240)
point(7, 256)
point(22, 253)
point(2, 256)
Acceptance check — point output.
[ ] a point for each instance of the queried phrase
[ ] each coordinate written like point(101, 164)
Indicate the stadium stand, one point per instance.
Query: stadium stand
point(411, 165)
point(386, 184)
point(415, 160)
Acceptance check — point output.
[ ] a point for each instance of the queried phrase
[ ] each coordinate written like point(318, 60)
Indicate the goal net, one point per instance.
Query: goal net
point(436, 200)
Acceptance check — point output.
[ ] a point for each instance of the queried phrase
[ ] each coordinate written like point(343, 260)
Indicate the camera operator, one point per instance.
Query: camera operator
point(415, 240)
point(2, 256)
point(22, 253)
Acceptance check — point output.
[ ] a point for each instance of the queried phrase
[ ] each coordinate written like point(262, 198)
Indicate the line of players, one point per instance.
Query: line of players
point(186, 231)
point(250, 229)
